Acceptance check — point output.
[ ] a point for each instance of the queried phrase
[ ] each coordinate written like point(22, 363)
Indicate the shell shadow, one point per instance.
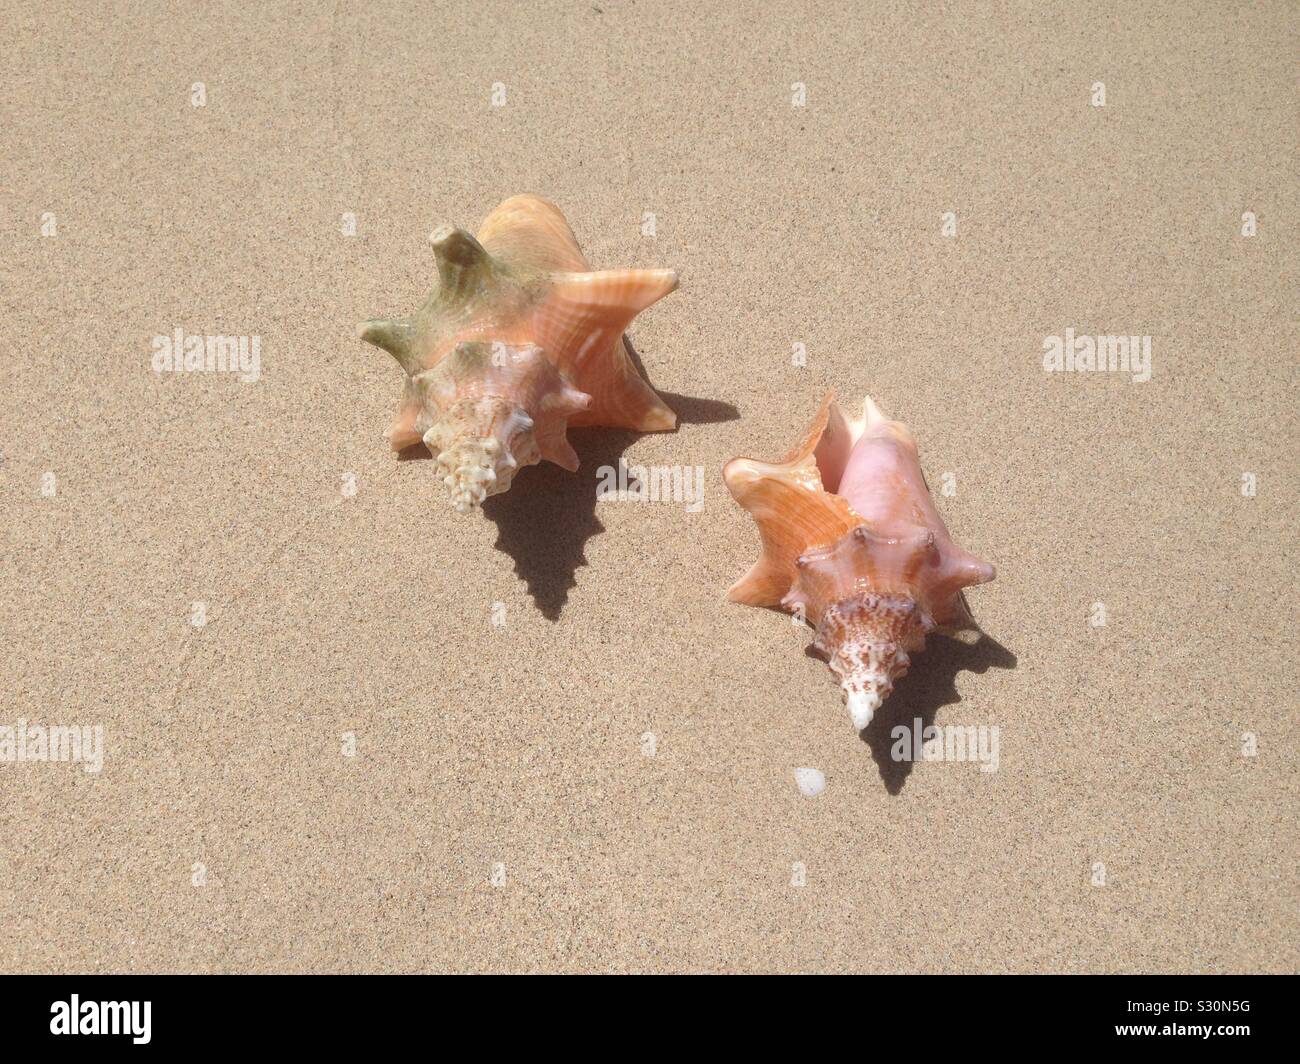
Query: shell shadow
point(929, 685)
point(545, 519)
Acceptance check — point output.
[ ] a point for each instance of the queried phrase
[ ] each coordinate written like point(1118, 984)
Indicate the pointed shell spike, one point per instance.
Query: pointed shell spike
point(464, 266)
point(393, 336)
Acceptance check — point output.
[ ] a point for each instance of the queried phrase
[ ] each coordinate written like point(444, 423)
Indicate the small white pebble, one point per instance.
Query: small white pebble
point(811, 782)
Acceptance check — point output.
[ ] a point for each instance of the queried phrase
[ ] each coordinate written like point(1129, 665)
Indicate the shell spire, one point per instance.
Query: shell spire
point(852, 542)
point(519, 340)
point(498, 407)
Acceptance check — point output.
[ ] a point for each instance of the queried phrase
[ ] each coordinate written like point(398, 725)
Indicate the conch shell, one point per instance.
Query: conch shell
point(519, 340)
point(853, 543)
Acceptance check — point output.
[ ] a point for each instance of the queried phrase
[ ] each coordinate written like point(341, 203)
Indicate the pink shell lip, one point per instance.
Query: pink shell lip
point(835, 446)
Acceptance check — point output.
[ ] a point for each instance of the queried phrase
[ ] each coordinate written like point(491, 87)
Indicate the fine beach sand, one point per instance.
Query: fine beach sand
point(618, 756)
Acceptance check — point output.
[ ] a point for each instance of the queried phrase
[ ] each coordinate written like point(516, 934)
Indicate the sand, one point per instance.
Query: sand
point(605, 780)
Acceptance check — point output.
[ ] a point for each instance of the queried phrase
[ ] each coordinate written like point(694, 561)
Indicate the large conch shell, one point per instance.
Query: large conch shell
point(853, 543)
point(519, 340)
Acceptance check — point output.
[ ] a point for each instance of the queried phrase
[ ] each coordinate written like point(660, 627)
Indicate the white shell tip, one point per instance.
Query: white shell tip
point(863, 706)
point(871, 413)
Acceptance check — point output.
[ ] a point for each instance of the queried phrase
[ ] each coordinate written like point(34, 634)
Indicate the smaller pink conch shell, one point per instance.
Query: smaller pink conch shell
point(852, 541)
